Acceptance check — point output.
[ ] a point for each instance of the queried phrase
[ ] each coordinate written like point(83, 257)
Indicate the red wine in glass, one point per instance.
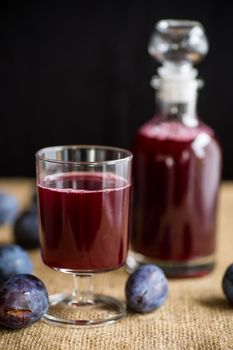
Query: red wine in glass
point(83, 226)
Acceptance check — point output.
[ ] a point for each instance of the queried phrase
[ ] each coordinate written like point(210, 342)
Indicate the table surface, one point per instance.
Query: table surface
point(195, 316)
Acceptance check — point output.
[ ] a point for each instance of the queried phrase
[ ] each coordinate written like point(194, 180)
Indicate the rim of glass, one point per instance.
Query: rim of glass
point(128, 154)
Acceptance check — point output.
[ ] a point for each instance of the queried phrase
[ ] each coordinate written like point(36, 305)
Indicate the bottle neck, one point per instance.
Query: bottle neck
point(184, 112)
point(177, 88)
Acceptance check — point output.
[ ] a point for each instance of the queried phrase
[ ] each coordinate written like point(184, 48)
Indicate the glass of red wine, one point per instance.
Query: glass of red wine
point(84, 203)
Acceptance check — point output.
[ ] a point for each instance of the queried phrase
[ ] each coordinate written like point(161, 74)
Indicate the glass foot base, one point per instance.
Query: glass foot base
point(101, 310)
point(191, 268)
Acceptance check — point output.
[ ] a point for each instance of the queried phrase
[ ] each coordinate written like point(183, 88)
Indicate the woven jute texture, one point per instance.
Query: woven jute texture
point(196, 315)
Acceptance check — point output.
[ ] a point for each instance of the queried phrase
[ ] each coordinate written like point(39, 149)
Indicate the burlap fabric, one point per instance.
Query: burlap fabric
point(195, 316)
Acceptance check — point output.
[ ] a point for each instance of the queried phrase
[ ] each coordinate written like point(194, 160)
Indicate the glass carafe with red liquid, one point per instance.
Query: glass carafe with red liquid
point(177, 161)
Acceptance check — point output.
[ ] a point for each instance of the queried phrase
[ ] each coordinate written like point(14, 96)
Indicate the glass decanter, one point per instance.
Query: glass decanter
point(177, 162)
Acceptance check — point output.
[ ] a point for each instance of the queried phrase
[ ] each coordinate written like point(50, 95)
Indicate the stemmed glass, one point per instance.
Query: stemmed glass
point(84, 203)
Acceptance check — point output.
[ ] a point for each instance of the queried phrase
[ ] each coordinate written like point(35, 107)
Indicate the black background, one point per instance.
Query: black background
point(79, 72)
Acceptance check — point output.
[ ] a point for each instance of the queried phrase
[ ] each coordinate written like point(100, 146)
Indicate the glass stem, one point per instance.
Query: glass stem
point(82, 290)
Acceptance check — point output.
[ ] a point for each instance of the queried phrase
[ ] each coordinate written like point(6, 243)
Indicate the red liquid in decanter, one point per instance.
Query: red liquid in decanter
point(176, 179)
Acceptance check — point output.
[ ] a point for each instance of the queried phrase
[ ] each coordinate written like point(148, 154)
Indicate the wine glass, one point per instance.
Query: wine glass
point(84, 203)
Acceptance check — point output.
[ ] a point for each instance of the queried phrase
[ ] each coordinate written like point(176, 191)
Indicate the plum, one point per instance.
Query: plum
point(13, 260)
point(23, 301)
point(227, 283)
point(34, 196)
point(146, 289)
point(26, 229)
point(9, 207)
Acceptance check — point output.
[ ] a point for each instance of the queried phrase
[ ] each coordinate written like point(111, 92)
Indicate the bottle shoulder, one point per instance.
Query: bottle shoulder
point(173, 138)
point(173, 130)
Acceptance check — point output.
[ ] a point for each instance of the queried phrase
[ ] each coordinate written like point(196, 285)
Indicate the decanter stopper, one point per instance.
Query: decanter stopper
point(178, 41)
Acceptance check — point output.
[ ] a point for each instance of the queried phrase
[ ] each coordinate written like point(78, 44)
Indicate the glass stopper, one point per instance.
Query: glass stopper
point(178, 41)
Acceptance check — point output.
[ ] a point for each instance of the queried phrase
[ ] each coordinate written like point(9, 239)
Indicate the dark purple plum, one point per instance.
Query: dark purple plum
point(23, 301)
point(227, 284)
point(9, 207)
point(146, 289)
point(13, 260)
point(26, 229)
point(34, 197)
